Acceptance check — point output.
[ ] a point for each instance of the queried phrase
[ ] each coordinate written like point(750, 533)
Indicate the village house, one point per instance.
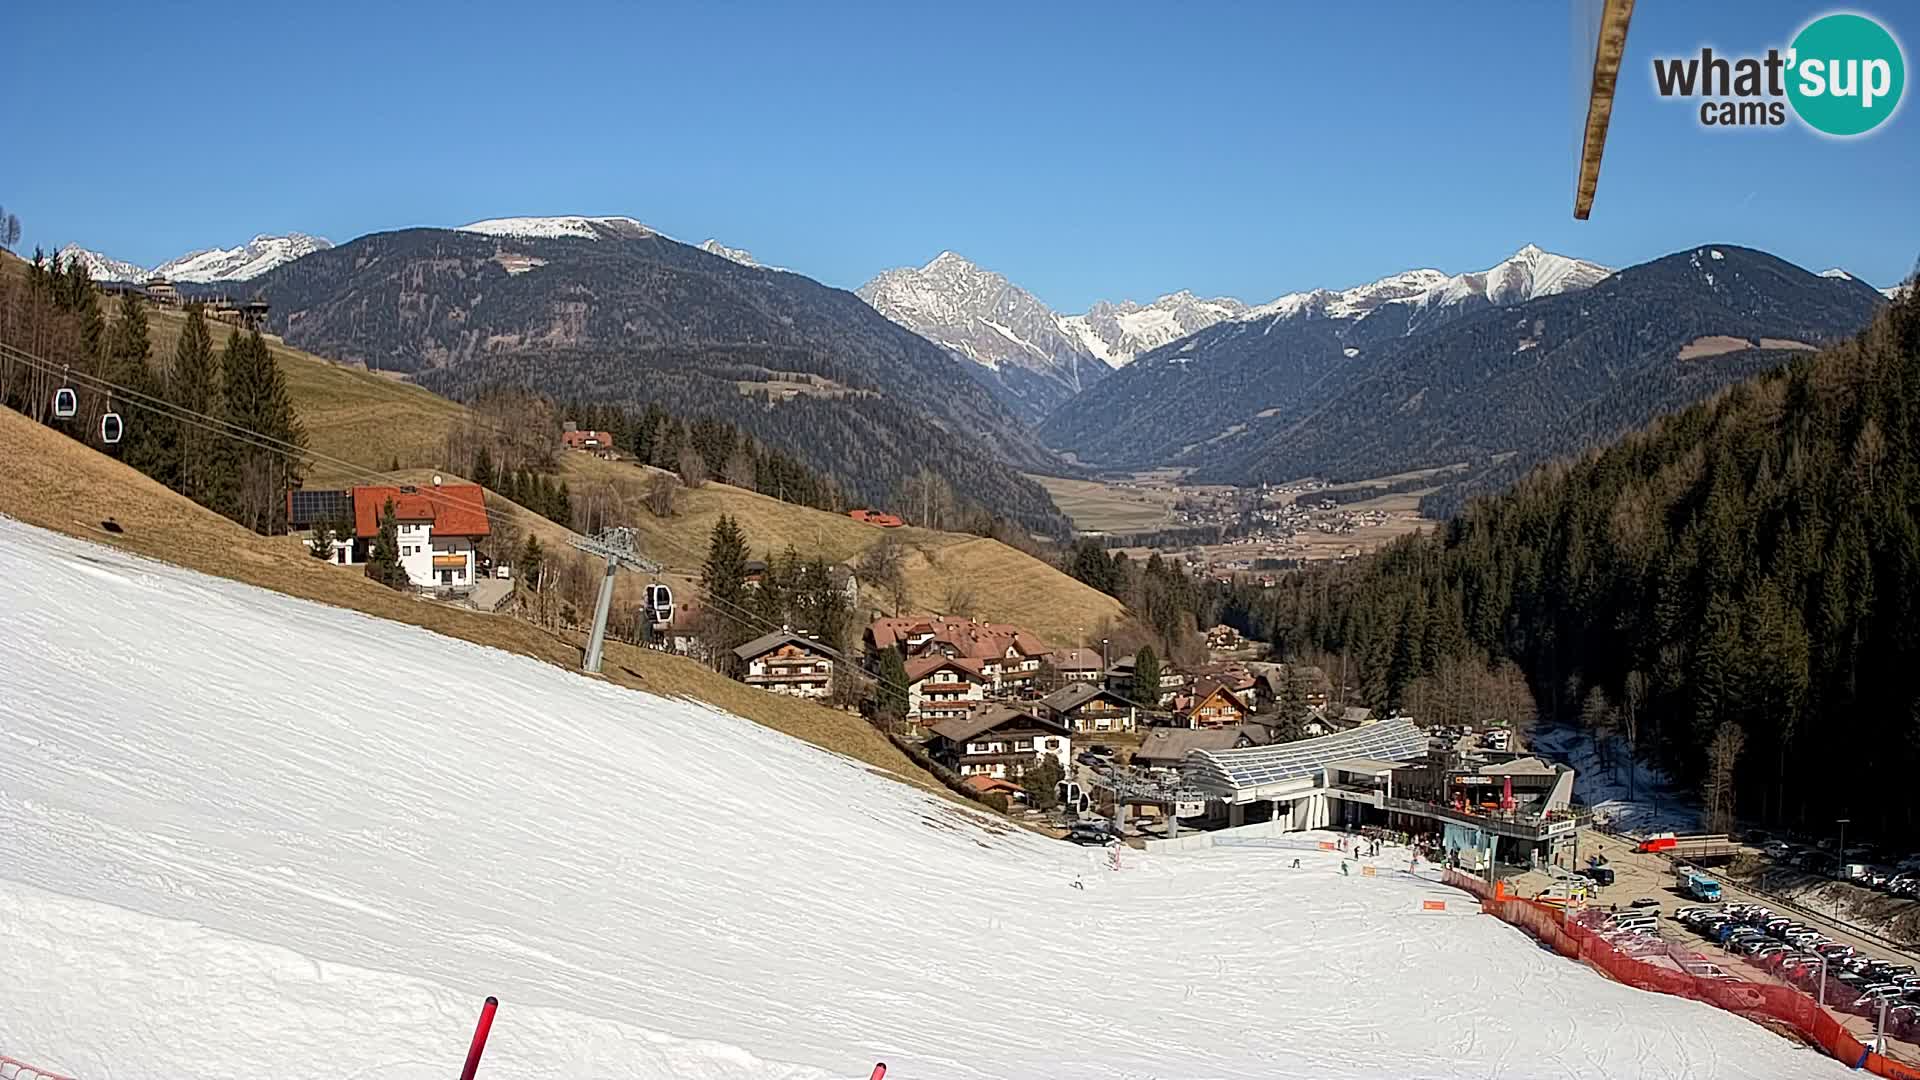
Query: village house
point(1329, 719)
point(1311, 682)
point(436, 528)
point(1088, 707)
point(875, 517)
point(1223, 638)
point(1166, 748)
point(1000, 741)
point(787, 663)
point(597, 443)
point(1212, 705)
point(162, 292)
point(1173, 683)
point(943, 688)
point(1078, 665)
point(1009, 656)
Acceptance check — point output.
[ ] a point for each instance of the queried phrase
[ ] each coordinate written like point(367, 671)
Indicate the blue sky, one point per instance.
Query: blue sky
point(1085, 150)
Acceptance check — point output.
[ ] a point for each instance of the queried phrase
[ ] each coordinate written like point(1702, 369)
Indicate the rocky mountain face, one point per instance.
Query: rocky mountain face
point(1117, 333)
point(1009, 340)
point(607, 309)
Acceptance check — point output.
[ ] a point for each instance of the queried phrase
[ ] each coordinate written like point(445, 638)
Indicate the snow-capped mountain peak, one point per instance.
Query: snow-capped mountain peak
point(1528, 273)
point(553, 228)
point(249, 260)
point(1033, 361)
point(101, 267)
point(731, 254)
point(1525, 275)
point(1116, 333)
point(1836, 272)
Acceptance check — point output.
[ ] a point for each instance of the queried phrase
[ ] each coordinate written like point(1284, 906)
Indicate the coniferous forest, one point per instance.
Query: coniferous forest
point(54, 314)
point(1733, 589)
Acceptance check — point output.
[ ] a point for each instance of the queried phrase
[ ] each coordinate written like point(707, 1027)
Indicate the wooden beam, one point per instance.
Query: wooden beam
point(1607, 52)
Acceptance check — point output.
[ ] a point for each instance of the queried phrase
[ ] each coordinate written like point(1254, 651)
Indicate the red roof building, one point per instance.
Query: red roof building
point(452, 509)
point(875, 517)
point(436, 529)
point(592, 442)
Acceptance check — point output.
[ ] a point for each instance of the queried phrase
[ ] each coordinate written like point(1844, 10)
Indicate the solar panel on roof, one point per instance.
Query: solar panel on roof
point(308, 507)
point(1393, 740)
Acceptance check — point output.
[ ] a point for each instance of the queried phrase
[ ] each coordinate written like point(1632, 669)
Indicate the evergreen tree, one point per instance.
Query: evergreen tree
point(1041, 782)
point(147, 436)
point(255, 396)
point(320, 544)
point(531, 561)
point(483, 468)
point(383, 560)
point(203, 467)
point(890, 687)
point(723, 581)
point(1146, 677)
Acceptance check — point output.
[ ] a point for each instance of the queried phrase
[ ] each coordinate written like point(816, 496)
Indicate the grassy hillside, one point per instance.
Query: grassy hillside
point(372, 421)
point(58, 484)
point(1006, 585)
point(350, 413)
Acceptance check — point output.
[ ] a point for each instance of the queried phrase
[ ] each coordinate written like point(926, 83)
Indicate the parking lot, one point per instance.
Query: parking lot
point(1743, 947)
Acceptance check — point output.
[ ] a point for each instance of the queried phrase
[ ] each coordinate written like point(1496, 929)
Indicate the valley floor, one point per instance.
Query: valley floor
point(243, 835)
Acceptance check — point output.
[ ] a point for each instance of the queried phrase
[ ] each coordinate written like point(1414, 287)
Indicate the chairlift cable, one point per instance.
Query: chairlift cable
point(228, 430)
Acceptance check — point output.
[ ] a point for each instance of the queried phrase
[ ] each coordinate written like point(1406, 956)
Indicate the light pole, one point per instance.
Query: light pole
point(1880, 1029)
point(1823, 981)
point(1841, 872)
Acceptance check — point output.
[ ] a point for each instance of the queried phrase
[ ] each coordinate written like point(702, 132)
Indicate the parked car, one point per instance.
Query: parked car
point(1903, 1021)
point(1090, 832)
point(1645, 902)
point(1778, 849)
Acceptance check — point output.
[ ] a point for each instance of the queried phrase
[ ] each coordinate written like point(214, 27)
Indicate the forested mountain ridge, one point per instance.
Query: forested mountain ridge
point(1313, 391)
point(606, 309)
point(1736, 588)
point(1558, 374)
point(1281, 357)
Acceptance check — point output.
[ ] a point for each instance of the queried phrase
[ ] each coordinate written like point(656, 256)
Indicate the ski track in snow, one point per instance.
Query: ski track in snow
point(244, 835)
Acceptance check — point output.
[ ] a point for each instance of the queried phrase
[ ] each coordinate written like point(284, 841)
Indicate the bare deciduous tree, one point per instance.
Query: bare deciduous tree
point(884, 567)
point(1723, 757)
point(693, 468)
point(959, 598)
point(662, 494)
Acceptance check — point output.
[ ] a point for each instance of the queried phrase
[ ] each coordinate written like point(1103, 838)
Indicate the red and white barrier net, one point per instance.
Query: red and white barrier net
point(15, 1069)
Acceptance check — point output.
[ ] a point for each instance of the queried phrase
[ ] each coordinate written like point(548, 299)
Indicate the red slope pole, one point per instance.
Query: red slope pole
point(479, 1038)
point(879, 1071)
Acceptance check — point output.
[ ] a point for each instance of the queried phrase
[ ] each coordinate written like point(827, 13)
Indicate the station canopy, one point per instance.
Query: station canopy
point(1243, 770)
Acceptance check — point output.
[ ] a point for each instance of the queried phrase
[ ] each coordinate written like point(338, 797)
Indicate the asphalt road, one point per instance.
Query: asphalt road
point(1644, 876)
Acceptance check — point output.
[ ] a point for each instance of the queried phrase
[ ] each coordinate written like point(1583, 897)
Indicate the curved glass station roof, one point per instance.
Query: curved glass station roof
point(1237, 770)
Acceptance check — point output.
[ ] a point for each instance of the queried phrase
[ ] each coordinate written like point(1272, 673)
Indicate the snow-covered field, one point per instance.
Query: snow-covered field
point(247, 836)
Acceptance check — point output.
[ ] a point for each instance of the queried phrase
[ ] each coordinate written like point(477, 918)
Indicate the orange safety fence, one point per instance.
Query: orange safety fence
point(1663, 968)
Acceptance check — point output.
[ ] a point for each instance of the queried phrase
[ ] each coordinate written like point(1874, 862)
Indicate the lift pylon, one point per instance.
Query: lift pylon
point(620, 546)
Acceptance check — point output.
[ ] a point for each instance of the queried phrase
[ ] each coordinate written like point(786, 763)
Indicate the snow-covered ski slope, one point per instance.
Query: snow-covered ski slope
point(245, 836)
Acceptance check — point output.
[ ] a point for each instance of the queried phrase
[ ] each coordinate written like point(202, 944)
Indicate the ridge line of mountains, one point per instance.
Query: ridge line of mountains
point(955, 370)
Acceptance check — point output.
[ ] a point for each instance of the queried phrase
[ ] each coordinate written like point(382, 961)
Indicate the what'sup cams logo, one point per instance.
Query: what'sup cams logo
point(1842, 76)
